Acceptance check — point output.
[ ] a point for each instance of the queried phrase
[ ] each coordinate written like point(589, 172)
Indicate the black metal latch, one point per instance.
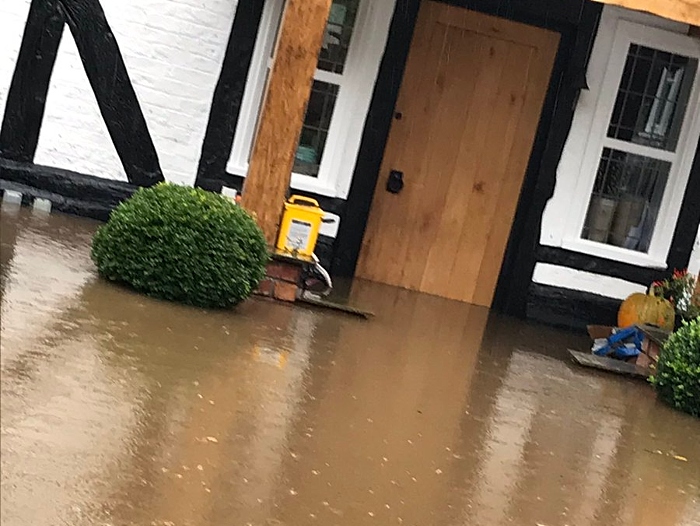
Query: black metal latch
point(395, 182)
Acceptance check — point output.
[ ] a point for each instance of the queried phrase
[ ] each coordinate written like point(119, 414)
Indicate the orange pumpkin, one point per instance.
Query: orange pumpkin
point(646, 309)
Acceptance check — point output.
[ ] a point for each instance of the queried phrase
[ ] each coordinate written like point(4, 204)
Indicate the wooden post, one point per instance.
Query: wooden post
point(687, 11)
point(282, 115)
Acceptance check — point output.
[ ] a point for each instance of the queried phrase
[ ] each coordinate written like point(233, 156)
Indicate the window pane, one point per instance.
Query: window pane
point(336, 40)
point(626, 199)
point(315, 129)
point(652, 97)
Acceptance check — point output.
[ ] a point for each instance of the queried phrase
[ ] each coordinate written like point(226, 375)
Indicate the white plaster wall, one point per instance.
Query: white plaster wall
point(173, 51)
point(13, 15)
point(556, 215)
point(569, 278)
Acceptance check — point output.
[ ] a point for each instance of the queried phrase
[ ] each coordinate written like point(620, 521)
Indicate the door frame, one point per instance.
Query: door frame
point(540, 177)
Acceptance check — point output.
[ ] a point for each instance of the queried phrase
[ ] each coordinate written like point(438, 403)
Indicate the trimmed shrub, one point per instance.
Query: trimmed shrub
point(182, 244)
point(677, 378)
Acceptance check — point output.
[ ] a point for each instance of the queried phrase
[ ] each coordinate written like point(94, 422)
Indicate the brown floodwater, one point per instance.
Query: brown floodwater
point(121, 410)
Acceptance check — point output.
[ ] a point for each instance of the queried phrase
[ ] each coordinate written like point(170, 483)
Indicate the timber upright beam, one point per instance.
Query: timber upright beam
point(283, 110)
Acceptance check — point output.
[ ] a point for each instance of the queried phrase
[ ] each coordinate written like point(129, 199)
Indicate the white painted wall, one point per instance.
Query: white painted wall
point(556, 215)
point(173, 51)
point(569, 278)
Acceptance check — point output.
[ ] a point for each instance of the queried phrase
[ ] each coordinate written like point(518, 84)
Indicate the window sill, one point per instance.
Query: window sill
point(299, 182)
point(613, 253)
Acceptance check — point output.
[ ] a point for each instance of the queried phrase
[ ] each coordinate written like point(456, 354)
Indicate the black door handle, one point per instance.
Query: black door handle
point(395, 182)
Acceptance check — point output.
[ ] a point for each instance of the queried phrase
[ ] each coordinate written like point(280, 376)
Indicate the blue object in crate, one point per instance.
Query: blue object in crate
point(625, 343)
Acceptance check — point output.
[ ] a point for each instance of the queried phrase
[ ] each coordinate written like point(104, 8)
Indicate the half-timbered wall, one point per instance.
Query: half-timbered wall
point(123, 71)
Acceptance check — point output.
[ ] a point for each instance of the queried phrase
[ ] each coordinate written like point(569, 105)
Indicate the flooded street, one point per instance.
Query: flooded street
point(121, 410)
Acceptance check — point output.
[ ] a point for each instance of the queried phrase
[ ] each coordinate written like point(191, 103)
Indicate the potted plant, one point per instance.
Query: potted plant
point(681, 289)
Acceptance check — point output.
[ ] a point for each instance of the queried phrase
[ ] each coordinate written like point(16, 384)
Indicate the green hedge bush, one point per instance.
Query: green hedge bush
point(182, 244)
point(677, 378)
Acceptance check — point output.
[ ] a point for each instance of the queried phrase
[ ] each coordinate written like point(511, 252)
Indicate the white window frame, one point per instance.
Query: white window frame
point(356, 85)
point(628, 33)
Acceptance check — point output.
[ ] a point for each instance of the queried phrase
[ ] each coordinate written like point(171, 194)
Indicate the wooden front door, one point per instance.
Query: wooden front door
point(465, 122)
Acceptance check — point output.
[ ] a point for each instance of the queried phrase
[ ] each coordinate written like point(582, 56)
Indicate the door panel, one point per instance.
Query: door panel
point(470, 104)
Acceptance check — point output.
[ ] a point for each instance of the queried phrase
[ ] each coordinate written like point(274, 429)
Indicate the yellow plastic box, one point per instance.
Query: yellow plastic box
point(301, 224)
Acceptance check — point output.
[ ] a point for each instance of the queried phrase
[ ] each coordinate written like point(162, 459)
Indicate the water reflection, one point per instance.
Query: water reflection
point(117, 409)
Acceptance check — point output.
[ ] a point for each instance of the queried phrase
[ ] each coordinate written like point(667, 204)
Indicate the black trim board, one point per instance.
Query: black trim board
point(70, 192)
point(115, 94)
point(228, 95)
point(570, 309)
point(106, 72)
point(26, 97)
point(597, 265)
point(688, 220)
point(533, 12)
point(519, 261)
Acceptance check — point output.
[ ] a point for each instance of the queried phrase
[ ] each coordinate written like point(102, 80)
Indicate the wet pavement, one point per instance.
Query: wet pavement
point(121, 410)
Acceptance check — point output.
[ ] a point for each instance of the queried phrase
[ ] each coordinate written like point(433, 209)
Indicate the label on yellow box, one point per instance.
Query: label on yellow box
point(299, 235)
